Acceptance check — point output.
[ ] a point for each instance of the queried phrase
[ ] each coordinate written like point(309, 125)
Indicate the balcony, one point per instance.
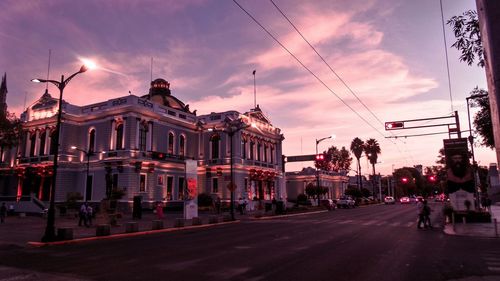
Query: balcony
point(36, 159)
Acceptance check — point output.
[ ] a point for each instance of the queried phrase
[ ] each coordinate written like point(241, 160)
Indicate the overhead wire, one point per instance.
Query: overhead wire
point(334, 72)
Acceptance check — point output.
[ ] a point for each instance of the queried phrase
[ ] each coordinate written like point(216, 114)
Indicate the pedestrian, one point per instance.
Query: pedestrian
point(245, 203)
point(273, 206)
point(217, 204)
point(420, 213)
point(240, 205)
point(159, 210)
point(82, 215)
point(3, 213)
point(487, 204)
point(427, 215)
point(90, 213)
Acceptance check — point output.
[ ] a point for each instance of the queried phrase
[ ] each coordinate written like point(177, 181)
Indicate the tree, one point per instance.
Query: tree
point(468, 35)
point(10, 131)
point(372, 150)
point(482, 119)
point(335, 160)
point(357, 148)
point(314, 191)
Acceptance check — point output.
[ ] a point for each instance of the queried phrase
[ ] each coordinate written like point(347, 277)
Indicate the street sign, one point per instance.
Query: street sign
point(300, 158)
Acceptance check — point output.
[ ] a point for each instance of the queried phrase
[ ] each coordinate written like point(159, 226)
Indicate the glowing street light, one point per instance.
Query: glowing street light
point(50, 232)
point(332, 136)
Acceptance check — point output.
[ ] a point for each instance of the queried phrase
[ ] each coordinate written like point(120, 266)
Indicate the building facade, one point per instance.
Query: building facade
point(139, 145)
point(296, 182)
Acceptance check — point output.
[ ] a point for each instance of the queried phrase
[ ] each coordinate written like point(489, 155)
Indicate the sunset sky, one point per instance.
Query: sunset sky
point(389, 52)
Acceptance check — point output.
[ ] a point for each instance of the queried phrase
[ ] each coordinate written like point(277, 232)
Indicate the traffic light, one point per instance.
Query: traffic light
point(320, 157)
point(394, 125)
point(404, 180)
point(432, 178)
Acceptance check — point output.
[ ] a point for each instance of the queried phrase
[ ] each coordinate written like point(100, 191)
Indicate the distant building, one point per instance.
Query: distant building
point(139, 145)
point(296, 182)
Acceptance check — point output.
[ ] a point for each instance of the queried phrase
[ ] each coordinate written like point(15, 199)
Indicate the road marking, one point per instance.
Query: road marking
point(381, 223)
point(394, 224)
point(345, 222)
point(410, 224)
point(493, 268)
point(369, 222)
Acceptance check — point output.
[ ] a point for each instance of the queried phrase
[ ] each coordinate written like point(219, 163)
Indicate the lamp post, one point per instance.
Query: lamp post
point(471, 140)
point(87, 154)
point(50, 232)
point(317, 169)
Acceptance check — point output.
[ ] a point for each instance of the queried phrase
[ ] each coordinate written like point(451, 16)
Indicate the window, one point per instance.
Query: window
point(244, 148)
point(53, 142)
point(170, 184)
point(142, 183)
point(182, 145)
point(170, 143)
point(143, 129)
point(215, 185)
point(181, 189)
point(272, 154)
point(259, 146)
point(265, 152)
point(42, 143)
point(214, 141)
point(32, 144)
point(92, 140)
point(252, 144)
point(119, 137)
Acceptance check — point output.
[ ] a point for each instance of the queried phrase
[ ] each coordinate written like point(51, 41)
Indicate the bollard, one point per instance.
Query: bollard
point(179, 222)
point(131, 227)
point(496, 227)
point(197, 221)
point(64, 233)
point(103, 230)
point(157, 225)
point(213, 219)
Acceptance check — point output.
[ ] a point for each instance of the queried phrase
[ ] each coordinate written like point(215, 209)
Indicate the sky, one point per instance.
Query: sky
point(390, 53)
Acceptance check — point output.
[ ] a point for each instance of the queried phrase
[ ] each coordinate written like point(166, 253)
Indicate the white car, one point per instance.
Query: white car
point(389, 200)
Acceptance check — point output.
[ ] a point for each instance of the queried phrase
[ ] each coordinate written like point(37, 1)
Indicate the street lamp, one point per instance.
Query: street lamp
point(471, 140)
point(50, 232)
point(317, 169)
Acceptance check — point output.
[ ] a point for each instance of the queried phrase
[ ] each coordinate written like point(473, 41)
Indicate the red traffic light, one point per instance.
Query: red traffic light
point(432, 178)
point(404, 180)
point(394, 125)
point(320, 157)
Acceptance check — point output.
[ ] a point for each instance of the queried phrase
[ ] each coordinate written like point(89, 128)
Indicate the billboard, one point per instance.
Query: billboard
point(191, 203)
point(458, 169)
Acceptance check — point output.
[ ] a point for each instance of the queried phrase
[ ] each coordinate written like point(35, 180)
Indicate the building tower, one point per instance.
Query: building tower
point(3, 95)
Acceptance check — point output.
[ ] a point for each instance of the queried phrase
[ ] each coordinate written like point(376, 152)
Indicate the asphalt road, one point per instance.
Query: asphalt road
point(371, 243)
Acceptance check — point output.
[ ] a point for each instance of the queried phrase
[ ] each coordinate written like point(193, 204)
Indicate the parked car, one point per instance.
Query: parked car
point(328, 203)
point(346, 202)
point(389, 200)
point(420, 199)
point(404, 200)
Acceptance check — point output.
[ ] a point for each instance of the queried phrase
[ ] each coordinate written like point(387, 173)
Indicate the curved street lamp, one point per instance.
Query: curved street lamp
point(50, 232)
point(317, 170)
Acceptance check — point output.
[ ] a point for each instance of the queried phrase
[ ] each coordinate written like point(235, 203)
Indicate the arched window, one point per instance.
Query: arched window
point(214, 141)
point(252, 145)
point(259, 146)
point(53, 143)
point(170, 143)
point(265, 152)
point(32, 144)
point(182, 145)
point(91, 141)
point(244, 148)
point(272, 154)
point(42, 143)
point(143, 130)
point(119, 137)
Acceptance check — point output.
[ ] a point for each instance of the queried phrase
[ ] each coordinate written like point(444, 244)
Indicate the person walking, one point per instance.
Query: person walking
point(82, 215)
point(90, 214)
point(241, 205)
point(159, 210)
point(426, 210)
point(420, 213)
point(3, 213)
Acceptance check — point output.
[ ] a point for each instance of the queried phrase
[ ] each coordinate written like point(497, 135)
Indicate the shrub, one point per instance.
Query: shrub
point(72, 198)
point(301, 198)
point(204, 200)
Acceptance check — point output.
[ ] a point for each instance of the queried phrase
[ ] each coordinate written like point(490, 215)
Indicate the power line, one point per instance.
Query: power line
point(446, 54)
point(306, 68)
point(333, 71)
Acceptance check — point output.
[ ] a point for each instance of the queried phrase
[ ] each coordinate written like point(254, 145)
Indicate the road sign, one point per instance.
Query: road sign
point(300, 158)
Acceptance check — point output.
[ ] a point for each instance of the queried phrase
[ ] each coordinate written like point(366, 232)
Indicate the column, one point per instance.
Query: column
point(113, 135)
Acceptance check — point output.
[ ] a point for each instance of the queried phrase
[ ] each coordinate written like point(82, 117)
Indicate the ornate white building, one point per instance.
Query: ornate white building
point(139, 145)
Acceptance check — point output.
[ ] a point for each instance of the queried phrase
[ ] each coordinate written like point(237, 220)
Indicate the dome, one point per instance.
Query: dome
point(160, 93)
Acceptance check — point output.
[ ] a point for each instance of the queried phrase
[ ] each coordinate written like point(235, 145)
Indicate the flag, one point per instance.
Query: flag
point(254, 72)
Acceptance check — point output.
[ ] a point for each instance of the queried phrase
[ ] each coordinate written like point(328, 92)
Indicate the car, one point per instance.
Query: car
point(328, 203)
point(420, 199)
point(404, 200)
point(389, 200)
point(345, 202)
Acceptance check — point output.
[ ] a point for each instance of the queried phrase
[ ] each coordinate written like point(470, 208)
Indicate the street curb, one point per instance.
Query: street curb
point(125, 235)
point(448, 229)
point(285, 216)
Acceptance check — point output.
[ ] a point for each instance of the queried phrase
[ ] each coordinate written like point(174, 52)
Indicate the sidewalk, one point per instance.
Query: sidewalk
point(477, 229)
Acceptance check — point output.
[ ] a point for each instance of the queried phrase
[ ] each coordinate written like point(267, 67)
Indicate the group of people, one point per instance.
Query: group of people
point(85, 215)
point(424, 214)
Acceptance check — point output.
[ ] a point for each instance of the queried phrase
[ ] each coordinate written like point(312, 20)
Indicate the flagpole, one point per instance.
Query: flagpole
point(254, 91)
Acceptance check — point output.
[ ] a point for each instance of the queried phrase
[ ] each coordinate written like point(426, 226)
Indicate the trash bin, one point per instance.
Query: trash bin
point(137, 207)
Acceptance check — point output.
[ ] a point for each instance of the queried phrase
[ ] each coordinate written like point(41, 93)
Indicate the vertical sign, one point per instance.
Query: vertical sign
point(460, 181)
point(191, 190)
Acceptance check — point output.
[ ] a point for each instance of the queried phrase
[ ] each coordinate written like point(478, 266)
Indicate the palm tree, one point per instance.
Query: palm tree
point(372, 150)
point(357, 148)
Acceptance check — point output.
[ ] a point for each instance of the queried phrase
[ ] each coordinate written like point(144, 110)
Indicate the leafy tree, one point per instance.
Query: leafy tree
point(482, 119)
point(314, 191)
point(357, 148)
point(10, 131)
point(468, 35)
point(335, 160)
point(354, 192)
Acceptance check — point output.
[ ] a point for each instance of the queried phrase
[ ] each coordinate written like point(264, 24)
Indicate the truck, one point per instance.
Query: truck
point(345, 202)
